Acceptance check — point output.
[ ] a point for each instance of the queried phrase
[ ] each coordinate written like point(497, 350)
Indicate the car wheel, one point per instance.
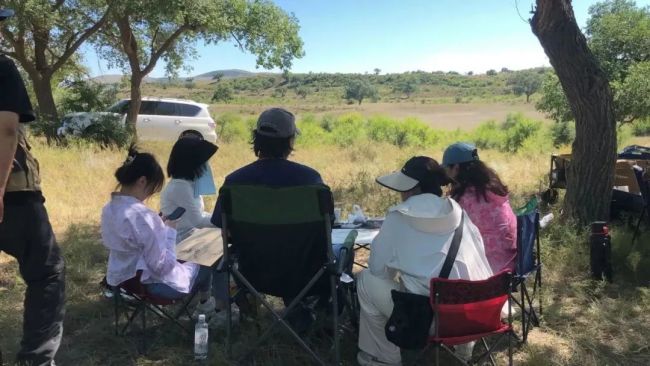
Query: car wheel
point(191, 134)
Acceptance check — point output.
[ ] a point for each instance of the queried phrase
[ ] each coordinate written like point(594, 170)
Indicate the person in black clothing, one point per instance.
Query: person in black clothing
point(273, 141)
point(25, 230)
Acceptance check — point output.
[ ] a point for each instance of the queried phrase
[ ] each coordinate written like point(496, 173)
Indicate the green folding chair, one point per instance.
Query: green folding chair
point(277, 241)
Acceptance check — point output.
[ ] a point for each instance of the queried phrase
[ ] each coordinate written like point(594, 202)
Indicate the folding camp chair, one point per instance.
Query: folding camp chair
point(528, 265)
point(467, 311)
point(277, 241)
point(644, 186)
point(131, 299)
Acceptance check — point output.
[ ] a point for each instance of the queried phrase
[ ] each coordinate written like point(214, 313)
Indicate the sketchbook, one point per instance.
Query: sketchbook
point(203, 246)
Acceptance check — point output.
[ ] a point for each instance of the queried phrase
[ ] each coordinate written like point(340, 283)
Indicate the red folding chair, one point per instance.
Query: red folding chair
point(467, 311)
point(132, 299)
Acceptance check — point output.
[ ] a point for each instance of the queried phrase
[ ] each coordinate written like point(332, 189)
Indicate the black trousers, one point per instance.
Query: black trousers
point(26, 234)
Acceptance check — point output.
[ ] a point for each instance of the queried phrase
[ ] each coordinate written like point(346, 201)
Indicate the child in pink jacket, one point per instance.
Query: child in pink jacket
point(480, 192)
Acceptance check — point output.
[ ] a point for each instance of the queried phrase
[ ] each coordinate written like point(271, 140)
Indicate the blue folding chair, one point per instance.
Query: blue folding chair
point(528, 266)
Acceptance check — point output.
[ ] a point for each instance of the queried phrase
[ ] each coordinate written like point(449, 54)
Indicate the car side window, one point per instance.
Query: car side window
point(188, 110)
point(148, 107)
point(165, 109)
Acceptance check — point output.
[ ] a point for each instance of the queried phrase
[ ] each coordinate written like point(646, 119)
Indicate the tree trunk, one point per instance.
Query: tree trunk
point(527, 98)
point(590, 176)
point(134, 105)
point(45, 98)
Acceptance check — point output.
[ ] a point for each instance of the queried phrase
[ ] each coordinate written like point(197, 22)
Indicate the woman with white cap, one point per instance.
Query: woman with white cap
point(410, 250)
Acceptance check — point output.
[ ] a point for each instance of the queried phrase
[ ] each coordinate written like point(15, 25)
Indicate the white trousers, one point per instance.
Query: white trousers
point(376, 306)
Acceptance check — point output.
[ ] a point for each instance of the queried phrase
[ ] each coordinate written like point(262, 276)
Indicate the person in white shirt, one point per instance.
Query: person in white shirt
point(191, 178)
point(138, 239)
point(410, 250)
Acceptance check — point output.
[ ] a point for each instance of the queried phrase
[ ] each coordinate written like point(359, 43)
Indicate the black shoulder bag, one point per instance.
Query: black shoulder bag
point(409, 324)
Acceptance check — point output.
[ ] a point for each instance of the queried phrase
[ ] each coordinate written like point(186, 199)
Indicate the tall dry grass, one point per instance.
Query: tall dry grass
point(584, 323)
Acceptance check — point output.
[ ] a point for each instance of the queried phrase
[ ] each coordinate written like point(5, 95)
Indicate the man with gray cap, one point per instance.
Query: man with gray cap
point(273, 141)
point(25, 230)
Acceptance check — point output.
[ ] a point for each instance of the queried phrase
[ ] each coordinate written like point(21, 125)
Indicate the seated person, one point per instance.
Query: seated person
point(191, 178)
point(413, 244)
point(480, 192)
point(138, 239)
point(273, 141)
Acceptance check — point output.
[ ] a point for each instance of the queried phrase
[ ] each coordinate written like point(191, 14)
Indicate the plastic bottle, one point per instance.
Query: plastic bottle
point(544, 221)
point(201, 339)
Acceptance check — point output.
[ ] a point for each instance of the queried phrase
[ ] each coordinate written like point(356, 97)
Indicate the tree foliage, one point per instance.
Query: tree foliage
point(525, 83)
point(406, 87)
point(223, 93)
point(619, 35)
point(624, 54)
point(359, 89)
point(143, 33)
point(44, 38)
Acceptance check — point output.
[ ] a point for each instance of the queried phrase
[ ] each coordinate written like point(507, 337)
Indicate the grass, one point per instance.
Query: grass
point(584, 323)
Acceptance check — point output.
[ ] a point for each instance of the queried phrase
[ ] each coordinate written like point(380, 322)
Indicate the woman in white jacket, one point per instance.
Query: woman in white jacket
point(410, 250)
point(191, 178)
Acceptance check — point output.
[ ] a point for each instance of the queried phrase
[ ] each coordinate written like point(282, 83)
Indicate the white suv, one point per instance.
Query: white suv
point(159, 119)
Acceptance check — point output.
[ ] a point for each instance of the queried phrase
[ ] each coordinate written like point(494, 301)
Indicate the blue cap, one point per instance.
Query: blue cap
point(6, 13)
point(460, 152)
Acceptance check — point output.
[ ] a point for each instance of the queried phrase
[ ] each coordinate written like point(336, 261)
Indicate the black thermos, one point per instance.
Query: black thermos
point(600, 251)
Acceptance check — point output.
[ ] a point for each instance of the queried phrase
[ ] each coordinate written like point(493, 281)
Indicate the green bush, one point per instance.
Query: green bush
point(517, 130)
point(641, 127)
point(107, 131)
point(233, 128)
point(563, 133)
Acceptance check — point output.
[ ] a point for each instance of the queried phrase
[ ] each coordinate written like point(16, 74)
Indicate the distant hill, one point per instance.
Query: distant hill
point(227, 74)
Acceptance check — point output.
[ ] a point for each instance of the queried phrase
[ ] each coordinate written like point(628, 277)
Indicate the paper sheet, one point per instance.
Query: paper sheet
point(204, 247)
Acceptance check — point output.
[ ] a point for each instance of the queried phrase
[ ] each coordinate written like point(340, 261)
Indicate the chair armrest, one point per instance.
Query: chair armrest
point(346, 249)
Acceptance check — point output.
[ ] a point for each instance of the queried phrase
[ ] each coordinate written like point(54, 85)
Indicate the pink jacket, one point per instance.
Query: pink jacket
point(498, 226)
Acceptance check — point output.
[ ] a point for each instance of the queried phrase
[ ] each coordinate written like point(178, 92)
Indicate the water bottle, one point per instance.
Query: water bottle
point(201, 339)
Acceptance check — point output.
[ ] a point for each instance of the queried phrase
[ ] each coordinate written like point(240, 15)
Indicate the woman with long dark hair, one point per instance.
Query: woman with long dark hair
point(481, 193)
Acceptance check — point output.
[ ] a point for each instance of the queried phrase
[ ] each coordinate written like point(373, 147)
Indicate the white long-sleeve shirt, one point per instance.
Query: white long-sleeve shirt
point(180, 193)
point(137, 239)
point(414, 241)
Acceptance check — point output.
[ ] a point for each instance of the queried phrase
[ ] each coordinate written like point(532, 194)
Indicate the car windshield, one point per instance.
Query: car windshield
point(119, 107)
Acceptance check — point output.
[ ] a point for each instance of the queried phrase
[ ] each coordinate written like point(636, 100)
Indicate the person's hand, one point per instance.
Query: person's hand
point(170, 223)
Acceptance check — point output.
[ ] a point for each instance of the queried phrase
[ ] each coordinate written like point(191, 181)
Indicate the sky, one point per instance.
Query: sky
point(357, 36)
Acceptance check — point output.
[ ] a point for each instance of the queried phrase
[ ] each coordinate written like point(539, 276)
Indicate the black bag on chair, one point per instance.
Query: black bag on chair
point(409, 323)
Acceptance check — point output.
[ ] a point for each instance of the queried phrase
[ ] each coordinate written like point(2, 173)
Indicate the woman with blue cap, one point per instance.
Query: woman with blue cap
point(480, 192)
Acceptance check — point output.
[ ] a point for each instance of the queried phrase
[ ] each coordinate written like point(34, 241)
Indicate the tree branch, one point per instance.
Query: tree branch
point(155, 56)
point(72, 48)
point(241, 46)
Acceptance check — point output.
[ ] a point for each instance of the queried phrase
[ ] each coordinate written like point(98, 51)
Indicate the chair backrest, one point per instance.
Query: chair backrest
point(280, 235)
point(527, 242)
point(464, 307)
point(643, 179)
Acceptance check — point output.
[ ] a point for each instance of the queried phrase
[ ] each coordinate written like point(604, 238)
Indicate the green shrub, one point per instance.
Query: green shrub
point(563, 133)
point(233, 128)
point(348, 129)
point(641, 127)
point(517, 130)
point(107, 131)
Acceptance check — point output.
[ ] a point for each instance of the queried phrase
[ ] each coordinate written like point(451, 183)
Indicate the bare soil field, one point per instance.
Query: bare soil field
point(465, 116)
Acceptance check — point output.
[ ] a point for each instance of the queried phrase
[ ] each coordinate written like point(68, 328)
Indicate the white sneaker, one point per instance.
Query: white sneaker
point(366, 359)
